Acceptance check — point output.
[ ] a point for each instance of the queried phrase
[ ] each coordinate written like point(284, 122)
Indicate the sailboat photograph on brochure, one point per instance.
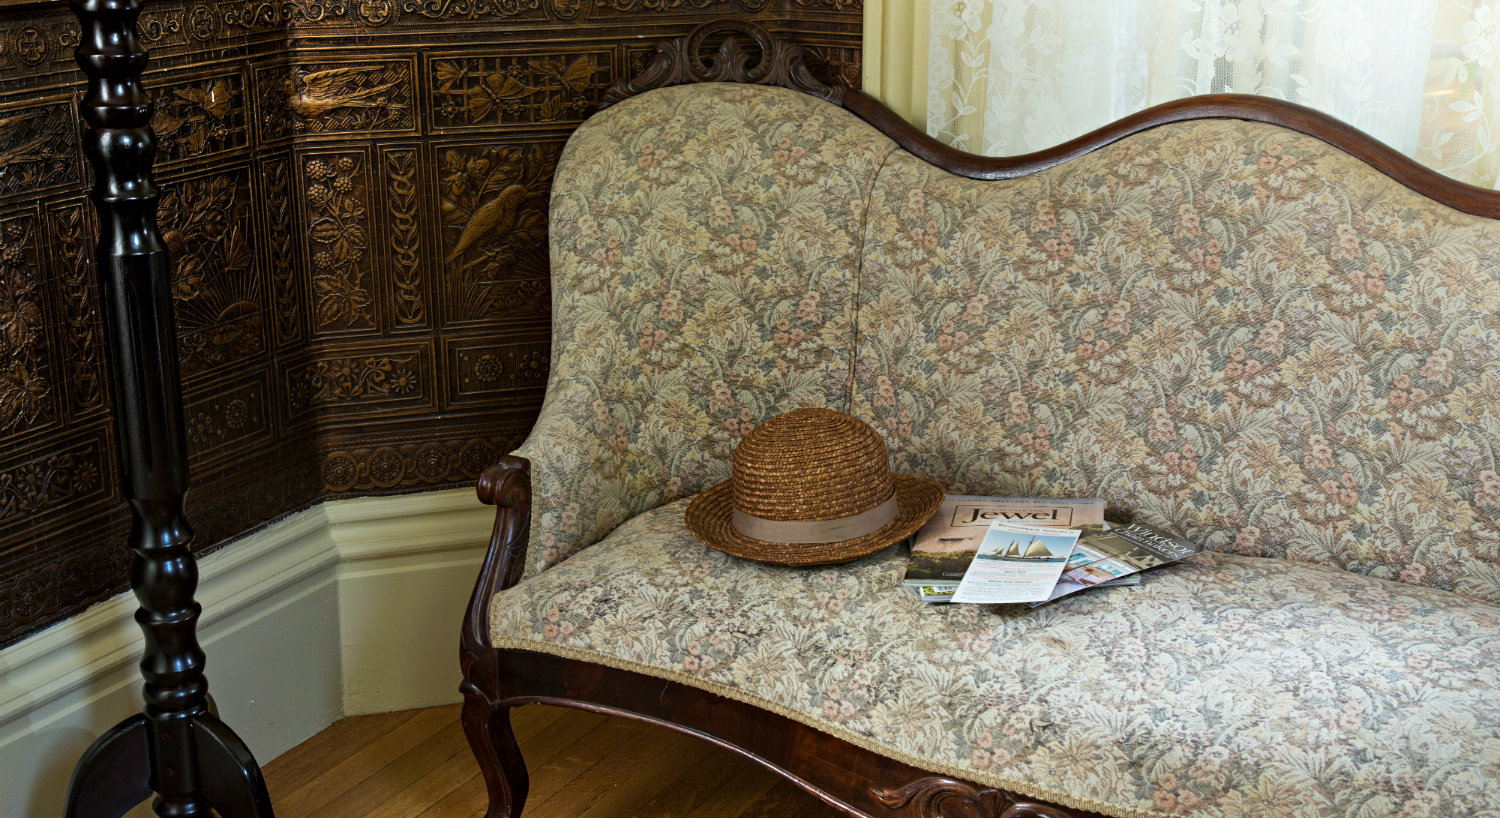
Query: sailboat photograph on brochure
point(1034, 550)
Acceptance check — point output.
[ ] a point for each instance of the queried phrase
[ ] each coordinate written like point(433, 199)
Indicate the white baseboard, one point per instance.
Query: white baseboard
point(349, 607)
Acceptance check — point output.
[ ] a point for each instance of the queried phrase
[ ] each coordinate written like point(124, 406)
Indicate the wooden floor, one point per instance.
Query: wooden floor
point(416, 763)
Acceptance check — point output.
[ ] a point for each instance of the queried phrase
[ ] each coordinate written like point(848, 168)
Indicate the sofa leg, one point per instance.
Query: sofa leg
point(487, 726)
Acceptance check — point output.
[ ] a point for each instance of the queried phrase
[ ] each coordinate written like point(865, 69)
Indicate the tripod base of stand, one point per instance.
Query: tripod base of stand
point(114, 774)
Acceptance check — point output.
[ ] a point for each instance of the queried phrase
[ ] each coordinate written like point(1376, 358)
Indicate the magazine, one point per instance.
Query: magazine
point(1122, 551)
point(943, 548)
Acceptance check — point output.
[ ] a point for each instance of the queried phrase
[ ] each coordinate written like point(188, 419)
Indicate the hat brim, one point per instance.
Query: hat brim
point(710, 517)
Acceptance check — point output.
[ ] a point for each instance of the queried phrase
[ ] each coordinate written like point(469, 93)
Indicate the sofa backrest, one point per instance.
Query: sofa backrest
point(704, 243)
point(1226, 327)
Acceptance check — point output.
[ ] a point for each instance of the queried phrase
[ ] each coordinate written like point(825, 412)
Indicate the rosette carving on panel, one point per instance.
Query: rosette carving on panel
point(660, 5)
point(51, 480)
point(354, 379)
point(949, 798)
point(224, 416)
point(412, 463)
point(695, 58)
point(494, 209)
point(470, 9)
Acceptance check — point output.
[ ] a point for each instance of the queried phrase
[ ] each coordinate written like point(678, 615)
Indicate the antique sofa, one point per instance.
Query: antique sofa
point(1238, 319)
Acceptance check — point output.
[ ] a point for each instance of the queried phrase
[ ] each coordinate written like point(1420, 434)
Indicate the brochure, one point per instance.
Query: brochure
point(1016, 563)
point(944, 593)
point(943, 548)
point(1124, 550)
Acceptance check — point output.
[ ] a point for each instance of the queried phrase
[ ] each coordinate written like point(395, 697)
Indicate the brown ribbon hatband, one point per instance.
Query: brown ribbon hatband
point(817, 531)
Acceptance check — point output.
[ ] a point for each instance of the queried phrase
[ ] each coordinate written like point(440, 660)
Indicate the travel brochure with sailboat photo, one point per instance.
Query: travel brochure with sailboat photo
point(1016, 563)
point(999, 546)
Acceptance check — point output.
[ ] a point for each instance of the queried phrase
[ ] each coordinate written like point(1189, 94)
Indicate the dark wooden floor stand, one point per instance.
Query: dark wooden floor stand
point(175, 747)
point(844, 775)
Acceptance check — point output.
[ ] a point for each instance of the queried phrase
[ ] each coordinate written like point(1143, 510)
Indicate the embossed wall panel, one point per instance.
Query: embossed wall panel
point(218, 285)
point(492, 245)
point(354, 194)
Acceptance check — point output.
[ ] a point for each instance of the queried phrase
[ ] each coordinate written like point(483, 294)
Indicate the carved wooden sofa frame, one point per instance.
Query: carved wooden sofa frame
point(844, 775)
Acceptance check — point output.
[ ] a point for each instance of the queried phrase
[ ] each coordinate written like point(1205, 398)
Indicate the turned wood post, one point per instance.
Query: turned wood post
point(175, 747)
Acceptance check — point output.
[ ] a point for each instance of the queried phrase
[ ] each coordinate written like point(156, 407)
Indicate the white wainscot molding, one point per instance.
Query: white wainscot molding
point(349, 607)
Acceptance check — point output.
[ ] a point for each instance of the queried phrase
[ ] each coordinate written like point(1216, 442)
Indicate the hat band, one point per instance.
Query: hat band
point(817, 531)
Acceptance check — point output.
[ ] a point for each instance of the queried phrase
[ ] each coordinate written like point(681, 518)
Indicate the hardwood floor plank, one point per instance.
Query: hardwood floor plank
point(787, 800)
point(745, 786)
point(432, 786)
point(582, 765)
point(528, 721)
point(543, 747)
point(695, 785)
point(361, 763)
point(295, 768)
point(553, 777)
point(400, 774)
point(468, 798)
point(622, 783)
point(542, 732)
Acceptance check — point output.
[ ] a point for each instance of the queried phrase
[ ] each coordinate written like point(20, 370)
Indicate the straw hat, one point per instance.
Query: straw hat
point(811, 487)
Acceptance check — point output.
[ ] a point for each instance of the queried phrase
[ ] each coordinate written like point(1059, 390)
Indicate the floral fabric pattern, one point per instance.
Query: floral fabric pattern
point(705, 244)
point(1223, 327)
point(1226, 684)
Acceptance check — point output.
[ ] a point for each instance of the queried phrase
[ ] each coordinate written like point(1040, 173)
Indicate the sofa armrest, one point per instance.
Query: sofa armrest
point(507, 486)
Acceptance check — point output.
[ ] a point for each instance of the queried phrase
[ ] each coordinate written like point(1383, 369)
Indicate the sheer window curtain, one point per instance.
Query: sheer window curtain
point(1012, 76)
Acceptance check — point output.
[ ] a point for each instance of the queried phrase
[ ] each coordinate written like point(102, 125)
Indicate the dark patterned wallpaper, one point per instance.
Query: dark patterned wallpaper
point(354, 194)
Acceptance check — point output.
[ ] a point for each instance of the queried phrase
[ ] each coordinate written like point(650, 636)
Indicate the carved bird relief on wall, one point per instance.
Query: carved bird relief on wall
point(315, 93)
point(355, 96)
point(494, 210)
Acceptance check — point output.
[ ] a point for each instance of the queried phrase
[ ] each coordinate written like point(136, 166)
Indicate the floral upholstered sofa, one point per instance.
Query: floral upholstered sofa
point(1280, 340)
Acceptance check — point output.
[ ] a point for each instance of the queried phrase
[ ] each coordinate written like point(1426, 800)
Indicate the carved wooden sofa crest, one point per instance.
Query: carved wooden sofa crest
point(1235, 318)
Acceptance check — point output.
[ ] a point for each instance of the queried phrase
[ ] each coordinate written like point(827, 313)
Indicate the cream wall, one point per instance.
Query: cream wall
point(895, 56)
point(349, 607)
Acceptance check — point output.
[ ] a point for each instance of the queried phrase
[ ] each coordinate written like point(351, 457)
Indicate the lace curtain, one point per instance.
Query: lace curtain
point(1014, 76)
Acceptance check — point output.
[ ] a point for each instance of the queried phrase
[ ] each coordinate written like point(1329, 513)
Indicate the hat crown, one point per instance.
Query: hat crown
point(811, 464)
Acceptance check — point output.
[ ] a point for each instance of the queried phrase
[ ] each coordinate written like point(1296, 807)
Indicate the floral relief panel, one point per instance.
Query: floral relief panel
point(338, 236)
point(25, 390)
point(517, 87)
point(704, 249)
point(1220, 326)
point(1226, 685)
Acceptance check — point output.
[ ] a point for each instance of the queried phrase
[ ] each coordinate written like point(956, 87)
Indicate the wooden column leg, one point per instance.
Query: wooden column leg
point(487, 726)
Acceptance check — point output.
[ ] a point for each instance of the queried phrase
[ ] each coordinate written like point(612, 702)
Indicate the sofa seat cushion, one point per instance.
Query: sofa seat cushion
point(1228, 684)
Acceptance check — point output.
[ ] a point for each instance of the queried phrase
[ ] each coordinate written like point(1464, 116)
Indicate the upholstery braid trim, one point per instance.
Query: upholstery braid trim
point(1018, 786)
